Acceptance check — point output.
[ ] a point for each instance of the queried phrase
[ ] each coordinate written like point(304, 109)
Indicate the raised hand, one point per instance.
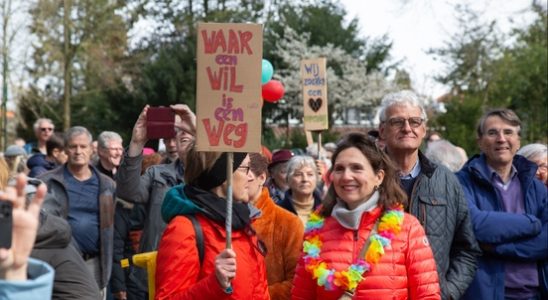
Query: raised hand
point(13, 261)
point(187, 121)
point(139, 134)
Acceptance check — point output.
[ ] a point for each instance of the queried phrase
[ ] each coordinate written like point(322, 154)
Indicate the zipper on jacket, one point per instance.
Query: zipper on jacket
point(356, 236)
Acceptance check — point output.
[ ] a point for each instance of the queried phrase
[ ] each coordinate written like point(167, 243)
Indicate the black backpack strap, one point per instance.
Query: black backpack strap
point(199, 236)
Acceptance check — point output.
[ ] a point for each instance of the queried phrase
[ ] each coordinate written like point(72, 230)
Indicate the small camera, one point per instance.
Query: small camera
point(6, 224)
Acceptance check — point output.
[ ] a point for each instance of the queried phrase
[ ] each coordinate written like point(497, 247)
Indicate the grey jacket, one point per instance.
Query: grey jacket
point(57, 203)
point(148, 189)
point(438, 202)
point(53, 245)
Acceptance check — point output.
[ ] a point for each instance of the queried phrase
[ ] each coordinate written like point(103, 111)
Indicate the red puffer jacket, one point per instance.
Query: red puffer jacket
point(178, 272)
point(406, 271)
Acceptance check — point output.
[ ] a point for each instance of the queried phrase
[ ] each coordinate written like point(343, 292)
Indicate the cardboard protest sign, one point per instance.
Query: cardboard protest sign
point(314, 83)
point(228, 97)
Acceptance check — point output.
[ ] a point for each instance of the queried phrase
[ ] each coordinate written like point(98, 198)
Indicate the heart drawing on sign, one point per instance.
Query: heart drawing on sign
point(315, 104)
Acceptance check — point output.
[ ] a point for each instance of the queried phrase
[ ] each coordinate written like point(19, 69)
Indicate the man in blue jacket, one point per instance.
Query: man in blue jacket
point(509, 213)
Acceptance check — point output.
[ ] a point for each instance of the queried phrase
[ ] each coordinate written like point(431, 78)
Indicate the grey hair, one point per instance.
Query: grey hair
point(442, 152)
point(533, 151)
point(37, 123)
point(401, 98)
point(75, 131)
point(107, 136)
point(507, 115)
point(299, 161)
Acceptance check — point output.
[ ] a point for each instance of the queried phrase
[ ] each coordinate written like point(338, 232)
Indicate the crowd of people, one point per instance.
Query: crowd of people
point(394, 213)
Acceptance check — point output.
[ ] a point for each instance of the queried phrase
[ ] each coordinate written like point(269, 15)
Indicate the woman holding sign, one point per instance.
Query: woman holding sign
point(192, 261)
point(361, 244)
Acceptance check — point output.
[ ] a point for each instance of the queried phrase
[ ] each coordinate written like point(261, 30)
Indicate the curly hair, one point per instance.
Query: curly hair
point(390, 191)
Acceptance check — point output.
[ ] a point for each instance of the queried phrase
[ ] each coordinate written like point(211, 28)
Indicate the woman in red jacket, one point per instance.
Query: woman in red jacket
point(236, 273)
point(361, 244)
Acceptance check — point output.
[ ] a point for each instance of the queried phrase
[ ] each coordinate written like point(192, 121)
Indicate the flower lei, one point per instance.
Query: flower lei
point(389, 226)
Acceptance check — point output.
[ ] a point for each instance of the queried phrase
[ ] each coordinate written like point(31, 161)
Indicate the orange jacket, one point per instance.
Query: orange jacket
point(178, 272)
point(407, 270)
point(282, 232)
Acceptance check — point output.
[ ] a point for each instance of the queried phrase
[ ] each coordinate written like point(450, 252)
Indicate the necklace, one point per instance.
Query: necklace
point(388, 227)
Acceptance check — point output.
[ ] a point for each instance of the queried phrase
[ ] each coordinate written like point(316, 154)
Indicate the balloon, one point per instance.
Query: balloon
point(267, 71)
point(273, 91)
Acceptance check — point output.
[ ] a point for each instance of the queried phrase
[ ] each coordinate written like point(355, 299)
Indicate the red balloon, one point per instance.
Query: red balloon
point(273, 91)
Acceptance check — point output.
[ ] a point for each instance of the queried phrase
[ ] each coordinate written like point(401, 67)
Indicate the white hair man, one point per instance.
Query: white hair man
point(435, 195)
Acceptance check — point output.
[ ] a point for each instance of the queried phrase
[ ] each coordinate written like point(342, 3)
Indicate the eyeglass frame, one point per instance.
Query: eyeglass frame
point(248, 168)
point(404, 120)
point(44, 129)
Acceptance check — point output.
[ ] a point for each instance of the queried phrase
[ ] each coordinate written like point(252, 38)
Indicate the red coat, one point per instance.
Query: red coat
point(407, 270)
point(178, 272)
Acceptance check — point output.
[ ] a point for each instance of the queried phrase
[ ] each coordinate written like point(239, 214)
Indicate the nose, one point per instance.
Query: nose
point(501, 137)
point(406, 126)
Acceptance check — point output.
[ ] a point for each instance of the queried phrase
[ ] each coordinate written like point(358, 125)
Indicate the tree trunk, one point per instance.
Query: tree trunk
point(67, 69)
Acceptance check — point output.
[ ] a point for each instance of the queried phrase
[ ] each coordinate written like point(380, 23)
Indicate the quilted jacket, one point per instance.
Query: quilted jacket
point(282, 232)
point(438, 202)
point(179, 274)
point(521, 236)
point(406, 271)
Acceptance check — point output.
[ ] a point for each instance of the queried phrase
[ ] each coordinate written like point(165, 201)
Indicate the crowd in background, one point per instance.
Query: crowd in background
point(394, 213)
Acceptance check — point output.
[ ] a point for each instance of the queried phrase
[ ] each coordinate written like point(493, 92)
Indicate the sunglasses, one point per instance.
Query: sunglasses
point(43, 129)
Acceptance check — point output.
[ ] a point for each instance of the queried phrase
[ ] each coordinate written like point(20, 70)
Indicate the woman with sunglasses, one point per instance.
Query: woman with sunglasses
point(218, 273)
point(361, 244)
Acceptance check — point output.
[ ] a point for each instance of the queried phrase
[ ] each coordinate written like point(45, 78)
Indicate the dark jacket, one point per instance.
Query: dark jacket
point(513, 236)
point(287, 202)
point(57, 203)
point(38, 164)
point(148, 189)
point(72, 279)
point(438, 202)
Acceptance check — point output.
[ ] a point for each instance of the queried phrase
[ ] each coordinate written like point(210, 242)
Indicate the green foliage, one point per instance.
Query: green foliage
point(484, 74)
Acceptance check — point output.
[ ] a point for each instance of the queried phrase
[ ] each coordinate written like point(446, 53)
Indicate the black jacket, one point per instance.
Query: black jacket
point(53, 245)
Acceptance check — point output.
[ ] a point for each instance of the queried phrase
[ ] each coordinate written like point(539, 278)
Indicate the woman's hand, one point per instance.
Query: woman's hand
point(187, 120)
point(225, 267)
point(13, 261)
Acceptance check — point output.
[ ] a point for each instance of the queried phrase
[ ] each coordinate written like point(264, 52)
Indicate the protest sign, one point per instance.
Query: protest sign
point(228, 96)
point(314, 83)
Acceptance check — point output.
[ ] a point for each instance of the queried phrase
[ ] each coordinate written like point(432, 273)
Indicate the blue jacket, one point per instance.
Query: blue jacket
point(512, 236)
point(37, 286)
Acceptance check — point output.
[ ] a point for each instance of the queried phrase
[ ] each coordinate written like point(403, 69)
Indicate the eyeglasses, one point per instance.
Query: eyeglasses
point(46, 129)
point(414, 122)
point(114, 149)
point(246, 168)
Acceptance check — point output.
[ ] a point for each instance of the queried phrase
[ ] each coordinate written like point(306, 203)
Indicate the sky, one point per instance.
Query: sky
point(415, 26)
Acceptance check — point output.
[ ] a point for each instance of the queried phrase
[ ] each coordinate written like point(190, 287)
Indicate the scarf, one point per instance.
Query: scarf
point(214, 207)
point(350, 219)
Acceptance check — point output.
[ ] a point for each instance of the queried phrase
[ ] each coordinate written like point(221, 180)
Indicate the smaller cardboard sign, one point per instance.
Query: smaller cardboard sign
point(314, 83)
point(228, 96)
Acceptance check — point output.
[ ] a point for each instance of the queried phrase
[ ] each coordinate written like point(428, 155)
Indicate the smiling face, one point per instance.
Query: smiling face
point(499, 141)
point(111, 156)
point(403, 136)
point(354, 180)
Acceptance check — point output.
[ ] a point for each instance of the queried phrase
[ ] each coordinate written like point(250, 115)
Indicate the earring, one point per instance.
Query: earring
point(376, 188)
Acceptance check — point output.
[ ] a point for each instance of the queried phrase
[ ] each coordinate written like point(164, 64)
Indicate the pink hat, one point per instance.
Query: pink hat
point(148, 151)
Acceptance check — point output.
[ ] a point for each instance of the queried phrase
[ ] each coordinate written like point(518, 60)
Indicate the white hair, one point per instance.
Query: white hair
point(401, 98)
point(442, 152)
point(533, 151)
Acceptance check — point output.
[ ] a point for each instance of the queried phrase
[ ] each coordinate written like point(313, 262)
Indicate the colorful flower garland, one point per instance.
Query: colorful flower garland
point(389, 226)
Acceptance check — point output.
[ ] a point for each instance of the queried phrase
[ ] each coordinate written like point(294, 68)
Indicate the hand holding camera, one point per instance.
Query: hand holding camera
point(20, 223)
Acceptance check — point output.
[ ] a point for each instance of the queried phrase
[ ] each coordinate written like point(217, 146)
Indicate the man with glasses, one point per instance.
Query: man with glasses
point(43, 130)
point(435, 195)
point(509, 213)
point(110, 152)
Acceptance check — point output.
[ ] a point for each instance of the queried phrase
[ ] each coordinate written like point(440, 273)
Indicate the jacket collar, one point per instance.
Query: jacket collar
point(477, 166)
